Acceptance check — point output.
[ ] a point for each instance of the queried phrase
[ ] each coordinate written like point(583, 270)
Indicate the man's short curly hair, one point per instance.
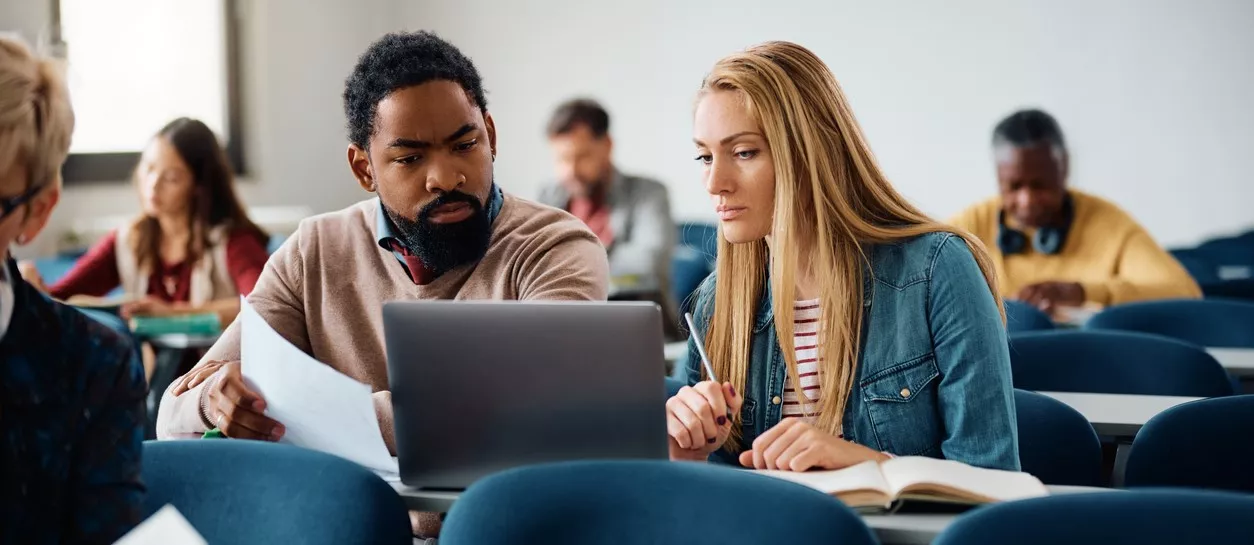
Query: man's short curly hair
point(397, 61)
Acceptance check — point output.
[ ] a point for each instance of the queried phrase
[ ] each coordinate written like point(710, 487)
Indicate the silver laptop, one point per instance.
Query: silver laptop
point(479, 387)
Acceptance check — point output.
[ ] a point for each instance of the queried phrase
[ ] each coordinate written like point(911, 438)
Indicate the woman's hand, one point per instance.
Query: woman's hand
point(699, 419)
point(795, 445)
point(151, 306)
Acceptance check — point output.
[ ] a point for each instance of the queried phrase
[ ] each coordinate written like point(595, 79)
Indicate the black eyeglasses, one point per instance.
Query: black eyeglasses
point(9, 204)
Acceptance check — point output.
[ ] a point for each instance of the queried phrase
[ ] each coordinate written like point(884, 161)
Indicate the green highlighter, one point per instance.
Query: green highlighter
point(214, 434)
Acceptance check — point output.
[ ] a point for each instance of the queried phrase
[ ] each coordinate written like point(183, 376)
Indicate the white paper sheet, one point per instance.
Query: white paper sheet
point(165, 527)
point(320, 408)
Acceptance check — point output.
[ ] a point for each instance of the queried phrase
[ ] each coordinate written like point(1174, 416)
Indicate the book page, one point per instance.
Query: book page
point(165, 527)
point(862, 477)
point(914, 472)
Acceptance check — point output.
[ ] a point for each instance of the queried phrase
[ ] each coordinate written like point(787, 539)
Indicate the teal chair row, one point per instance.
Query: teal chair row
point(1115, 362)
point(237, 491)
point(646, 502)
point(1203, 444)
point(1203, 322)
point(1158, 517)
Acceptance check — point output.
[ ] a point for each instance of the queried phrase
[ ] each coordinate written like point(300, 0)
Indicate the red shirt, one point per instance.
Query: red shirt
point(596, 215)
point(96, 273)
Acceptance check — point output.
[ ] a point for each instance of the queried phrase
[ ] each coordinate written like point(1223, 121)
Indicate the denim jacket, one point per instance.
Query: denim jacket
point(933, 376)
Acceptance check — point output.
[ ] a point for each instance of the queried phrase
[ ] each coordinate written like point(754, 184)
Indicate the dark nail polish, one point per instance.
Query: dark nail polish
point(733, 390)
point(710, 441)
point(721, 420)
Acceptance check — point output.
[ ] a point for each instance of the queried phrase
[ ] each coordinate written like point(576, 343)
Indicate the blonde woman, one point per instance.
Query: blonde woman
point(846, 325)
point(71, 389)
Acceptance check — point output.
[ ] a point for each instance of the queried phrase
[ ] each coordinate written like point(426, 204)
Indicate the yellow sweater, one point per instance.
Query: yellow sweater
point(1106, 251)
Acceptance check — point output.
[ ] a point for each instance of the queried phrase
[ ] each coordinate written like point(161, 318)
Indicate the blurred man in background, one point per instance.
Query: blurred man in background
point(630, 214)
point(1056, 247)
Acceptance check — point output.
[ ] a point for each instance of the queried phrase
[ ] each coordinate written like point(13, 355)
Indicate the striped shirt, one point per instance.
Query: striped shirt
point(805, 329)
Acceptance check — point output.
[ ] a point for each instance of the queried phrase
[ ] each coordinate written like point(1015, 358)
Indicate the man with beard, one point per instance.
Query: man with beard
point(421, 138)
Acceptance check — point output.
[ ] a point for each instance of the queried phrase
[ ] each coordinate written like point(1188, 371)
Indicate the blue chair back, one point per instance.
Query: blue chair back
point(235, 491)
point(1159, 517)
point(1022, 317)
point(1202, 322)
point(1202, 269)
point(701, 236)
point(1056, 443)
point(1203, 444)
point(639, 502)
point(688, 269)
point(53, 268)
point(693, 260)
point(275, 242)
point(1242, 290)
point(1114, 362)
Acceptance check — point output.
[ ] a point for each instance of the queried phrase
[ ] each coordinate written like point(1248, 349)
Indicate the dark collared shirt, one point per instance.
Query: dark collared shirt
point(71, 425)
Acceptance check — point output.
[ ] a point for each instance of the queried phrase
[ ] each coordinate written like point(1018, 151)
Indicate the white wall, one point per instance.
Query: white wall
point(1154, 95)
point(296, 54)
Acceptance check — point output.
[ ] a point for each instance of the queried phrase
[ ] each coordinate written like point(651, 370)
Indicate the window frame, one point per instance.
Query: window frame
point(116, 167)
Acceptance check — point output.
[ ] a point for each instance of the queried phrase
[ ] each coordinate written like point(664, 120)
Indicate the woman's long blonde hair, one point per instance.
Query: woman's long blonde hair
point(830, 195)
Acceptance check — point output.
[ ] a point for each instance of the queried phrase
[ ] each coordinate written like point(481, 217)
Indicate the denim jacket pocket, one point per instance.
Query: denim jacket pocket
point(903, 406)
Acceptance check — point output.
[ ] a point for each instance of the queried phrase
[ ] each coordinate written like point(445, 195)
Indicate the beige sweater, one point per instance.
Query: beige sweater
point(324, 291)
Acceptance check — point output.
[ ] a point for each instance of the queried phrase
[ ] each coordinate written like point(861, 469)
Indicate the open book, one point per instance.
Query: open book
point(871, 484)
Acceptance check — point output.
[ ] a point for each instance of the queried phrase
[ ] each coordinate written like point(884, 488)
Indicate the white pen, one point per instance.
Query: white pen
point(696, 340)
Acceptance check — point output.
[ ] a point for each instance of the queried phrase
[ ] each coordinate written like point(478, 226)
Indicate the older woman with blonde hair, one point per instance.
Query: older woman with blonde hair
point(845, 324)
point(71, 389)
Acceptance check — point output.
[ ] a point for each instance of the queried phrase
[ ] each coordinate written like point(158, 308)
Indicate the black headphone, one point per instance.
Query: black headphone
point(1048, 240)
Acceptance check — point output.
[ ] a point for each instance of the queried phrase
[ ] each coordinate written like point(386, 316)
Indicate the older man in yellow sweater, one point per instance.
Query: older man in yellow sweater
point(1056, 247)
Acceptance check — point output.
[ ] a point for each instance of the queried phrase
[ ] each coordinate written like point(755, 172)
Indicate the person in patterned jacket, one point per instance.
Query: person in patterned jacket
point(71, 389)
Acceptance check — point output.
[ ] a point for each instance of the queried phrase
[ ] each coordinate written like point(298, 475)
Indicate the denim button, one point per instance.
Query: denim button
point(905, 392)
point(775, 400)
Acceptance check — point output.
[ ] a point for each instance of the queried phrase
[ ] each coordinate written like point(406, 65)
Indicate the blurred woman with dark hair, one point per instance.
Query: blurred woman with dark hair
point(192, 250)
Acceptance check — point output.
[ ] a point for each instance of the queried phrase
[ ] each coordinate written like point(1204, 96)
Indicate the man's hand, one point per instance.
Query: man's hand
point(1049, 296)
point(237, 411)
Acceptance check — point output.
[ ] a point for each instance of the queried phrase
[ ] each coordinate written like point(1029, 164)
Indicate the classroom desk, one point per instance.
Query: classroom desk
point(895, 529)
point(1118, 415)
point(1238, 361)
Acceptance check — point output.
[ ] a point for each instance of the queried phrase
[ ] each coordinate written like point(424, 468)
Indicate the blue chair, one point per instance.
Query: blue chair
point(703, 237)
point(688, 269)
point(275, 242)
point(53, 268)
point(1202, 322)
point(695, 254)
point(1203, 444)
point(235, 491)
point(1114, 362)
point(1056, 443)
point(1229, 289)
point(1022, 317)
point(639, 502)
point(1157, 517)
point(1199, 266)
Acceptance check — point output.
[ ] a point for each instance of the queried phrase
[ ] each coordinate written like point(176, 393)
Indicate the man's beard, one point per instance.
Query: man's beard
point(442, 247)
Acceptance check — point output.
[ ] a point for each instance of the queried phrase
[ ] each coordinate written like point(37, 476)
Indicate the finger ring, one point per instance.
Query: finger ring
point(219, 421)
